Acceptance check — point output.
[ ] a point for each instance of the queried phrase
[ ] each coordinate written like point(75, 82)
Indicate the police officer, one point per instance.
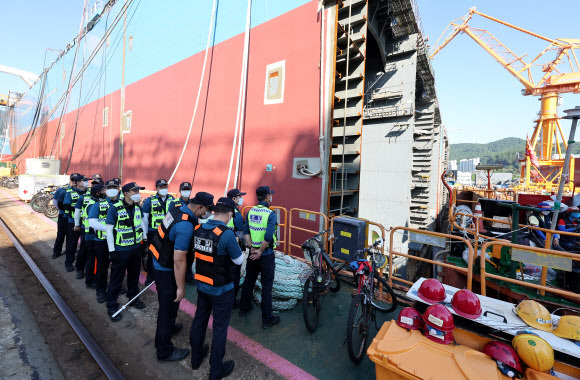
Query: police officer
point(83, 252)
point(172, 251)
point(260, 234)
point(97, 193)
point(70, 199)
point(62, 219)
point(97, 217)
point(216, 250)
point(236, 224)
point(184, 194)
point(97, 179)
point(125, 226)
point(154, 209)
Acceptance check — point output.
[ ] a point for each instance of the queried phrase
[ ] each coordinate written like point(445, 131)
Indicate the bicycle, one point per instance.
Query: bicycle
point(370, 297)
point(324, 277)
point(41, 199)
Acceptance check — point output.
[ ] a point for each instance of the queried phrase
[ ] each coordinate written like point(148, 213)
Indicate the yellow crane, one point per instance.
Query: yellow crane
point(543, 76)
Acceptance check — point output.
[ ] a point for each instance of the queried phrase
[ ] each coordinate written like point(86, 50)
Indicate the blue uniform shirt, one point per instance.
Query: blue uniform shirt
point(90, 236)
point(228, 245)
point(172, 203)
point(93, 213)
point(180, 234)
point(238, 221)
point(270, 230)
point(112, 220)
point(68, 201)
point(147, 208)
point(59, 197)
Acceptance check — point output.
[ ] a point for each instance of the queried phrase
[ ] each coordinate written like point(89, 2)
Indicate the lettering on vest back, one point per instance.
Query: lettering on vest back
point(168, 220)
point(203, 245)
point(254, 218)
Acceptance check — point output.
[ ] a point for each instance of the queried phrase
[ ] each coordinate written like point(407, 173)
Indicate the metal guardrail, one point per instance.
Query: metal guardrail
point(306, 215)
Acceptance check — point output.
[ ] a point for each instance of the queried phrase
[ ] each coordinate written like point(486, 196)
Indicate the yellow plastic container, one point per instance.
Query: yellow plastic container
point(402, 354)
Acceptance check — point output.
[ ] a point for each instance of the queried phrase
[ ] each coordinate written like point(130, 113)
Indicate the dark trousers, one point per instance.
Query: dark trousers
point(91, 265)
point(102, 256)
point(121, 262)
point(222, 306)
point(82, 253)
point(60, 234)
point(236, 273)
point(265, 265)
point(72, 240)
point(166, 293)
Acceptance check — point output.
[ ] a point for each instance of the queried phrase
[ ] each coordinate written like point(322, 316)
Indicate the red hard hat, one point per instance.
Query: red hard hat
point(504, 353)
point(466, 304)
point(438, 335)
point(431, 291)
point(438, 317)
point(411, 319)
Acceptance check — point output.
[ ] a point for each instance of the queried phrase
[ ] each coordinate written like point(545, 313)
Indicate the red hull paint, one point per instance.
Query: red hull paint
point(162, 106)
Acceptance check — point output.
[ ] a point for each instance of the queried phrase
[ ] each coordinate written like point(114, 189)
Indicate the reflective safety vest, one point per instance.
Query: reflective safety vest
point(75, 197)
point(258, 223)
point(158, 211)
point(178, 202)
point(103, 209)
point(127, 232)
point(230, 224)
point(87, 201)
point(211, 268)
point(161, 246)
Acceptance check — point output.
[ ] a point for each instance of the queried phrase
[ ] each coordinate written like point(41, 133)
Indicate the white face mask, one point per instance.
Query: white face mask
point(240, 201)
point(206, 215)
point(545, 212)
point(136, 197)
point(112, 193)
point(185, 193)
point(163, 192)
point(85, 183)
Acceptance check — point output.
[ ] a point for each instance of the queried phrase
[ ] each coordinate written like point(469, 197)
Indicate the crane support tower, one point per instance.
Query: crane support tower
point(543, 76)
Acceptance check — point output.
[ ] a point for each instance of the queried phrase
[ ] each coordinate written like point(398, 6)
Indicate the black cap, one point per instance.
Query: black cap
point(235, 193)
point(97, 181)
point(118, 180)
point(226, 202)
point(85, 178)
point(97, 176)
point(161, 182)
point(111, 183)
point(263, 190)
point(203, 199)
point(131, 186)
point(76, 177)
point(95, 190)
point(185, 185)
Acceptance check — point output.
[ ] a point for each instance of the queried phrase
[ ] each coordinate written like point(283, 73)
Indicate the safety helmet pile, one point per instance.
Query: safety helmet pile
point(507, 358)
point(439, 324)
point(534, 351)
point(535, 315)
point(466, 304)
point(568, 327)
point(411, 319)
point(431, 291)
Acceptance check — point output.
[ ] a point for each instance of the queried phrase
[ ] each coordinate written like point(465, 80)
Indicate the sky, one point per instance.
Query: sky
point(480, 101)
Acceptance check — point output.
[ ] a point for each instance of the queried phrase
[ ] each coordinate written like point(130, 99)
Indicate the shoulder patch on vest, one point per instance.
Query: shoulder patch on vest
point(184, 217)
point(168, 220)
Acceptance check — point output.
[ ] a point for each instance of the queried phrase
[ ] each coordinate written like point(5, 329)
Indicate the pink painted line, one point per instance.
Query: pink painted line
point(41, 216)
point(250, 346)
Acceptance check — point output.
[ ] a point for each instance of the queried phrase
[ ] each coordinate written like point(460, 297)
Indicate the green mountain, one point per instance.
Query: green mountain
point(497, 152)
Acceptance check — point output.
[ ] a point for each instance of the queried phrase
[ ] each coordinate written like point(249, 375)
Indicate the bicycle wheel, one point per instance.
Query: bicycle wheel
point(51, 211)
point(357, 328)
point(310, 305)
point(38, 203)
point(384, 299)
point(334, 281)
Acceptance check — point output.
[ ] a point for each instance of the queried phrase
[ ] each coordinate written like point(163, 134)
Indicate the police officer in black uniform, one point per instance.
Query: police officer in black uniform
point(236, 224)
point(172, 250)
point(216, 250)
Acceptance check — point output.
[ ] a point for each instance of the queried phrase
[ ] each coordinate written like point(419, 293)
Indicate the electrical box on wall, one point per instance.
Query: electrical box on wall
point(308, 164)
